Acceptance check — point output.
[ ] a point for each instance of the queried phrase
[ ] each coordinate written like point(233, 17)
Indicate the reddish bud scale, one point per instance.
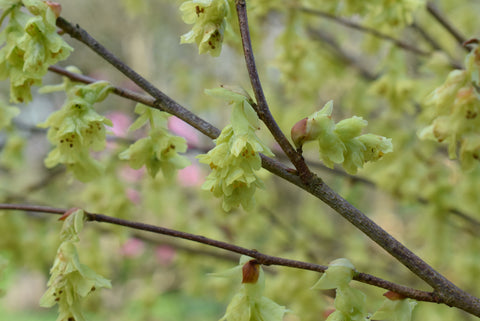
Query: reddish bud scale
point(327, 312)
point(394, 296)
point(68, 213)
point(251, 271)
point(56, 7)
point(299, 132)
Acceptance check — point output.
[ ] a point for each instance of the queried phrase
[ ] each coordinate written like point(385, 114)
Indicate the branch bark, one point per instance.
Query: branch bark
point(438, 15)
point(262, 258)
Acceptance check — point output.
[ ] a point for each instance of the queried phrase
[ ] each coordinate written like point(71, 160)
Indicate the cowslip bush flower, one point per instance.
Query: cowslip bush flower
point(77, 128)
point(71, 281)
point(249, 304)
point(340, 143)
point(209, 19)
point(158, 151)
point(349, 302)
point(235, 158)
point(453, 110)
point(30, 44)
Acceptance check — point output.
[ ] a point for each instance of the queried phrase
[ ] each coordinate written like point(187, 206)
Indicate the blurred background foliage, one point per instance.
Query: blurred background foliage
point(416, 193)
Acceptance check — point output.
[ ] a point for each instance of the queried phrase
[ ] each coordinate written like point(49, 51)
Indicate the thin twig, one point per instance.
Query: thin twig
point(263, 259)
point(162, 101)
point(438, 15)
point(374, 32)
point(435, 45)
point(450, 294)
point(342, 54)
point(430, 40)
point(262, 106)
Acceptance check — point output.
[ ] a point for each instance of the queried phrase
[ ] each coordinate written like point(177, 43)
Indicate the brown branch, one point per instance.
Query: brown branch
point(162, 101)
point(429, 39)
point(374, 32)
point(438, 15)
point(448, 292)
point(342, 54)
point(263, 259)
point(262, 106)
point(435, 45)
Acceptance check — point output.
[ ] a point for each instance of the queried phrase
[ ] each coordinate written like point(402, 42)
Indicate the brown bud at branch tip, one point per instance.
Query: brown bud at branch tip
point(251, 271)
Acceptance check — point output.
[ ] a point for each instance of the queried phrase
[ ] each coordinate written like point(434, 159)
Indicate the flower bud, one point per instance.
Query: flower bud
point(55, 6)
point(299, 133)
point(393, 296)
point(251, 271)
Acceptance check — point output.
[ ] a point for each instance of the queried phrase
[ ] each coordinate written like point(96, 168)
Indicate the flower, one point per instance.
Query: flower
point(76, 129)
point(209, 19)
point(159, 150)
point(235, 159)
point(340, 143)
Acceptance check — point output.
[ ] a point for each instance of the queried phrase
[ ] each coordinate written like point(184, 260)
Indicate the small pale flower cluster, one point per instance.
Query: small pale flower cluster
point(71, 281)
point(350, 303)
point(209, 19)
point(159, 150)
point(77, 128)
point(249, 303)
point(454, 110)
point(30, 44)
point(340, 143)
point(235, 158)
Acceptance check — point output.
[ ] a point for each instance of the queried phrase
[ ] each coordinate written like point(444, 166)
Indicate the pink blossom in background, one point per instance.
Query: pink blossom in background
point(120, 121)
point(180, 128)
point(191, 176)
point(133, 195)
point(132, 247)
point(165, 254)
point(131, 175)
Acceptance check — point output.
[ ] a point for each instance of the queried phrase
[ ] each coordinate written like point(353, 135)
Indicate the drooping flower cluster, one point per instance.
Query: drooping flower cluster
point(71, 281)
point(77, 128)
point(210, 19)
point(395, 307)
point(235, 158)
point(30, 44)
point(249, 304)
point(158, 151)
point(454, 110)
point(349, 302)
point(340, 143)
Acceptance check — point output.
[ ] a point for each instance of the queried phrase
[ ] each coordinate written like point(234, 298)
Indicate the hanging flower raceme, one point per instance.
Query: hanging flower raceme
point(249, 304)
point(77, 128)
point(454, 110)
point(340, 143)
point(71, 281)
point(235, 159)
point(349, 302)
point(209, 19)
point(30, 44)
point(158, 151)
